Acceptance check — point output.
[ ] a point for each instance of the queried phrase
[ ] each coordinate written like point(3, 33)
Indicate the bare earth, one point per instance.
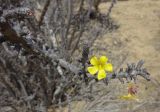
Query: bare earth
point(138, 37)
point(139, 30)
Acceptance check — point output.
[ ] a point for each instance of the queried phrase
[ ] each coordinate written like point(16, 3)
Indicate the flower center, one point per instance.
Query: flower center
point(101, 66)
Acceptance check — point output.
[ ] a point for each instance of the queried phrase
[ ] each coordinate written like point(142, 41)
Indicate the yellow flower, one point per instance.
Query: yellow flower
point(129, 97)
point(101, 66)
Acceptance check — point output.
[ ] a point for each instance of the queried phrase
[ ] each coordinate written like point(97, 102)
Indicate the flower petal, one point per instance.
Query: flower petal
point(126, 97)
point(92, 70)
point(129, 97)
point(94, 60)
point(103, 60)
point(109, 67)
point(101, 74)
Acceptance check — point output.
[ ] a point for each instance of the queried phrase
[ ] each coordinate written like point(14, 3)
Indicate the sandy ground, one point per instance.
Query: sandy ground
point(138, 37)
point(139, 31)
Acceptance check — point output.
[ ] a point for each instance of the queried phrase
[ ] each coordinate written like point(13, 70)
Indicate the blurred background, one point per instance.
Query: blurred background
point(130, 33)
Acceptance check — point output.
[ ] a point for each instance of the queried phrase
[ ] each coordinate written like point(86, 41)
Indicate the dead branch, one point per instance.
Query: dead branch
point(21, 12)
point(44, 11)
